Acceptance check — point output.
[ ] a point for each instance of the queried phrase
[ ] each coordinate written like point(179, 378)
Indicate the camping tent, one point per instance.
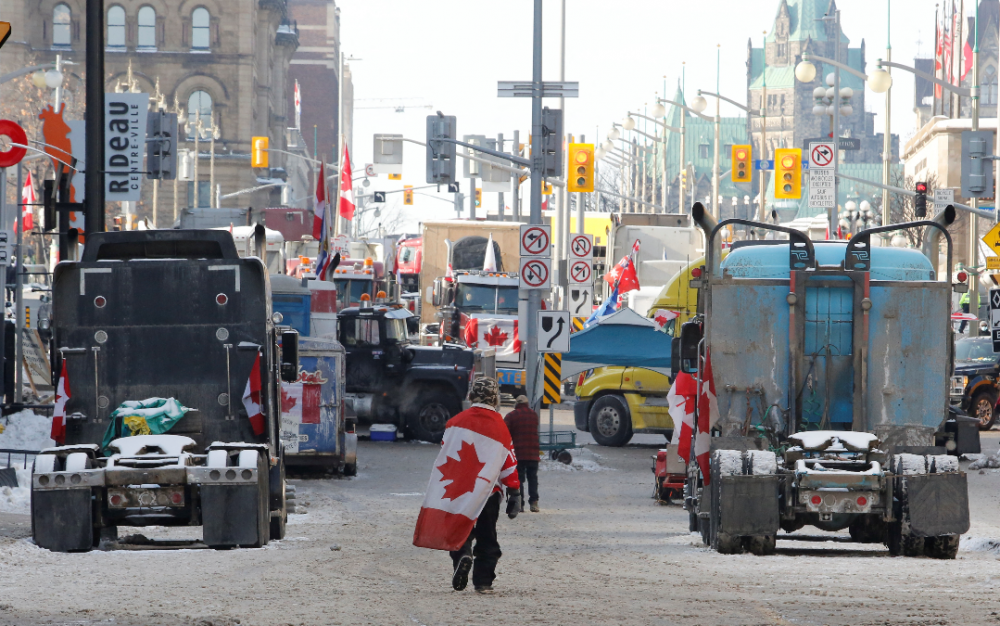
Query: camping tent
point(622, 338)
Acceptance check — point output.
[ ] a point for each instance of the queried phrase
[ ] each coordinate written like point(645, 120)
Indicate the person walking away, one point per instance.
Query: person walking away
point(462, 503)
point(523, 425)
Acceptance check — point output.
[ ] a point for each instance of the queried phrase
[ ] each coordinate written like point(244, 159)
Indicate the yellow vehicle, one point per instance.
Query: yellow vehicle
point(613, 403)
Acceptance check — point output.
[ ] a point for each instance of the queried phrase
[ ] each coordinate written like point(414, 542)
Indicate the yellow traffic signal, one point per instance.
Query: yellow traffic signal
point(546, 188)
point(788, 173)
point(580, 177)
point(479, 197)
point(684, 180)
point(395, 177)
point(408, 194)
point(258, 151)
point(742, 171)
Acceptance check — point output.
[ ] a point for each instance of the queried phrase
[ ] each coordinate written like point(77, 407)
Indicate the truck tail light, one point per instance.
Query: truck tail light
point(862, 501)
point(116, 500)
point(817, 500)
point(177, 497)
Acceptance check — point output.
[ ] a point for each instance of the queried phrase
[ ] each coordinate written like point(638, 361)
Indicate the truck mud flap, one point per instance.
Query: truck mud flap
point(938, 504)
point(63, 519)
point(230, 514)
point(749, 505)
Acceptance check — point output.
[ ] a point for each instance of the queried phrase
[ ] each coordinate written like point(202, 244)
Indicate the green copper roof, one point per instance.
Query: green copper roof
point(784, 77)
point(777, 78)
point(804, 16)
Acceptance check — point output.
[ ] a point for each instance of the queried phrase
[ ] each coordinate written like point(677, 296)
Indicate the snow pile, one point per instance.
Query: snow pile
point(584, 460)
point(729, 462)
point(18, 499)
point(26, 430)
point(763, 462)
point(986, 461)
point(980, 544)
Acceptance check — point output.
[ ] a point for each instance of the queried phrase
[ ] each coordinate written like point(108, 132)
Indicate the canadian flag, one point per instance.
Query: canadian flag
point(28, 198)
point(251, 399)
point(662, 316)
point(681, 400)
point(346, 187)
point(496, 333)
point(59, 413)
point(466, 468)
point(708, 416)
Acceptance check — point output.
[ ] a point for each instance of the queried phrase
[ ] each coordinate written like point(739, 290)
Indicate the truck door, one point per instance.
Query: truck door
point(365, 355)
point(827, 398)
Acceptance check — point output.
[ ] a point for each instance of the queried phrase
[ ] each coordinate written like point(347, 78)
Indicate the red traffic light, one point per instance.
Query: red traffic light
point(921, 187)
point(962, 277)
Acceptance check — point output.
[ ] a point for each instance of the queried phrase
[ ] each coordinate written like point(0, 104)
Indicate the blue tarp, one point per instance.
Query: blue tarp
point(623, 338)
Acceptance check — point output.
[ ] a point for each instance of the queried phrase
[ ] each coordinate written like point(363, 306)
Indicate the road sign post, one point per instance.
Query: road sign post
point(995, 318)
point(535, 273)
point(822, 175)
point(553, 331)
point(536, 240)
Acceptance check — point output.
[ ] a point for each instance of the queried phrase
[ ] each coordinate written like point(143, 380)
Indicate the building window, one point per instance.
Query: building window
point(200, 105)
point(703, 151)
point(147, 28)
point(990, 85)
point(204, 199)
point(199, 29)
point(781, 49)
point(116, 27)
point(61, 18)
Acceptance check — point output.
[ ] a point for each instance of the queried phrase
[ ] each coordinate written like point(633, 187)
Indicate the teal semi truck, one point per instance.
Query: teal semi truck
point(831, 363)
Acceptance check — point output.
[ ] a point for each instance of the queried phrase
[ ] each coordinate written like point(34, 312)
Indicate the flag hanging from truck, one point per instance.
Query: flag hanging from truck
point(494, 333)
point(251, 399)
point(58, 433)
point(708, 416)
point(681, 399)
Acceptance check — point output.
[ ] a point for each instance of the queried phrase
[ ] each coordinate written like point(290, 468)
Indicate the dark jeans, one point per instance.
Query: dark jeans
point(527, 473)
point(961, 327)
point(487, 551)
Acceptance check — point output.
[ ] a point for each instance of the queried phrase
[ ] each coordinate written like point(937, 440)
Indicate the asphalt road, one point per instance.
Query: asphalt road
point(600, 552)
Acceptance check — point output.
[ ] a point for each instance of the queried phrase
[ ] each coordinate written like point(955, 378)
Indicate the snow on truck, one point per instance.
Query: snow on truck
point(146, 315)
point(830, 393)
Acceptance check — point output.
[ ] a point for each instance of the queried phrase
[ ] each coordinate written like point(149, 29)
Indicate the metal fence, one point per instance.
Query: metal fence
point(18, 457)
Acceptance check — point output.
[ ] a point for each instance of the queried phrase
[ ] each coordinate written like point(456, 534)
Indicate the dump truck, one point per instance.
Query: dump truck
point(161, 314)
point(831, 392)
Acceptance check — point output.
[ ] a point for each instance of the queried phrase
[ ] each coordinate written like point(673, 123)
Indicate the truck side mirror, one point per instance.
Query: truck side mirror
point(436, 293)
point(290, 356)
point(675, 355)
point(689, 339)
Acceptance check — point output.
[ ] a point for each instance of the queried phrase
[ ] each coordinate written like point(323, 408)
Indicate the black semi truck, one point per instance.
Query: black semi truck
point(165, 314)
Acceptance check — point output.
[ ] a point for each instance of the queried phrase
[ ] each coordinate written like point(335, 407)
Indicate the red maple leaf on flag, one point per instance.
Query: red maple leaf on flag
point(495, 337)
point(288, 401)
point(462, 472)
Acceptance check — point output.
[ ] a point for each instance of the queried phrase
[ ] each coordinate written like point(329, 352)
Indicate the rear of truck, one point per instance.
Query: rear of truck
point(163, 314)
point(831, 391)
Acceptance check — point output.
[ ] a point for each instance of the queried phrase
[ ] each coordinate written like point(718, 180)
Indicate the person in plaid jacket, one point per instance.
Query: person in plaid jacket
point(522, 423)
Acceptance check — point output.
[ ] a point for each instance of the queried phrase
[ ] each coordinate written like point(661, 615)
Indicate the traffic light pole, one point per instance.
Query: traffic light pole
point(530, 343)
point(94, 174)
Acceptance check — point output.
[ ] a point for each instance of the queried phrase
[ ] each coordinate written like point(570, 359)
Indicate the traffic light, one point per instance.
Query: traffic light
point(546, 188)
point(684, 180)
point(788, 173)
point(742, 171)
point(479, 197)
point(408, 194)
point(395, 177)
point(977, 172)
point(920, 202)
point(440, 154)
point(258, 151)
point(161, 158)
point(580, 177)
point(552, 141)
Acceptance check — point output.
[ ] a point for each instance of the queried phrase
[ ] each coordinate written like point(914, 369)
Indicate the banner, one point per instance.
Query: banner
point(124, 145)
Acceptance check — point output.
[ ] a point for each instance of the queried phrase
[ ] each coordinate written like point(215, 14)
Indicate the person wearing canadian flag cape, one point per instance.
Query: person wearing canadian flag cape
point(463, 498)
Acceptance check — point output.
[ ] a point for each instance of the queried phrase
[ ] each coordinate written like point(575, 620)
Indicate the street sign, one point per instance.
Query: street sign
point(993, 262)
point(581, 272)
point(553, 331)
point(378, 196)
point(944, 197)
point(387, 154)
point(535, 273)
point(124, 145)
point(821, 189)
point(995, 318)
point(581, 300)
point(845, 143)
point(369, 169)
point(535, 240)
point(581, 247)
point(453, 188)
point(992, 238)
point(4, 33)
point(550, 89)
point(763, 164)
point(821, 155)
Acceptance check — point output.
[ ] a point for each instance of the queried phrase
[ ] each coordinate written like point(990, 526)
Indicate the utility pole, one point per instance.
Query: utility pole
point(562, 215)
point(579, 203)
point(500, 211)
point(94, 177)
point(834, 221)
point(762, 186)
point(718, 122)
point(515, 180)
point(974, 202)
point(535, 217)
point(683, 163)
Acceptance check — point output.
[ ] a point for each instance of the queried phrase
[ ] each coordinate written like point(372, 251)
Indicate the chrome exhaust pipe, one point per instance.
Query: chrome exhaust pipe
point(932, 236)
point(707, 223)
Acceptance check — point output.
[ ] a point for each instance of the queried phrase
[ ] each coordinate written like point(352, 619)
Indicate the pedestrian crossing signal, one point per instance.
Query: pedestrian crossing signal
point(788, 173)
point(580, 177)
point(742, 158)
point(408, 194)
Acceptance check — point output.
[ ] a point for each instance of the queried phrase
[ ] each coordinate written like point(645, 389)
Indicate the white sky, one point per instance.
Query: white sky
point(451, 53)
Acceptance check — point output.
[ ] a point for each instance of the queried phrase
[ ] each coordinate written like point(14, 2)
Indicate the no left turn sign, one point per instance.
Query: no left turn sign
point(535, 240)
point(581, 272)
point(535, 273)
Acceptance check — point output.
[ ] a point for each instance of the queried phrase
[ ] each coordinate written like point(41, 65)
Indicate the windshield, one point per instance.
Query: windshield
point(395, 330)
point(360, 332)
point(486, 299)
point(353, 287)
point(978, 349)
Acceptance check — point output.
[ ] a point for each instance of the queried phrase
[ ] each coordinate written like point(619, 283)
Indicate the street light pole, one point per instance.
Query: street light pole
point(680, 195)
point(887, 140)
point(535, 216)
point(762, 183)
point(94, 176)
point(718, 123)
point(974, 202)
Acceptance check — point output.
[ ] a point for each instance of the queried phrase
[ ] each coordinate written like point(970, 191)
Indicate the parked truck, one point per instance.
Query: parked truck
point(830, 365)
point(165, 314)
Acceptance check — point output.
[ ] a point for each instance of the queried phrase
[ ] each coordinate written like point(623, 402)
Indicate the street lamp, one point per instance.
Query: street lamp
point(614, 134)
point(701, 104)
point(683, 133)
point(628, 123)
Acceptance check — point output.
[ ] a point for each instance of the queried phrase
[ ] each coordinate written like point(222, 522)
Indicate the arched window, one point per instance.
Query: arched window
point(990, 85)
point(147, 28)
point(116, 27)
point(199, 29)
point(200, 105)
point(61, 18)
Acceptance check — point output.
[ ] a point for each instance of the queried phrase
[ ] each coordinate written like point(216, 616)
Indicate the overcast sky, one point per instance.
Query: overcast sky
point(450, 54)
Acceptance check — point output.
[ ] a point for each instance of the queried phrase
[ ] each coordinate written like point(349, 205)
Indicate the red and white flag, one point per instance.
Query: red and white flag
point(474, 455)
point(59, 413)
point(662, 317)
point(494, 333)
point(346, 187)
point(681, 399)
point(251, 399)
point(708, 416)
point(319, 213)
point(623, 274)
point(28, 198)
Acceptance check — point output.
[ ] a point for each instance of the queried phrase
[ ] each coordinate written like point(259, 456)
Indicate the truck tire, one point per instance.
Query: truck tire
point(350, 469)
point(721, 542)
point(278, 522)
point(610, 421)
point(941, 547)
point(868, 529)
point(430, 413)
point(983, 408)
point(761, 545)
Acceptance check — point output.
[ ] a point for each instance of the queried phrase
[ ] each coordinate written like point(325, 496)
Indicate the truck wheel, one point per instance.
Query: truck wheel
point(941, 547)
point(249, 458)
point(982, 408)
point(868, 529)
point(610, 422)
point(277, 525)
point(350, 469)
point(761, 545)
point(722, 542)
point(430, 413)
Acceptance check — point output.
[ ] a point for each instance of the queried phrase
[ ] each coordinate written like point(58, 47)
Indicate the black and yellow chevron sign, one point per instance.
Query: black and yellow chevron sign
point(553, 374)
point(577, 324)
point(4, 33)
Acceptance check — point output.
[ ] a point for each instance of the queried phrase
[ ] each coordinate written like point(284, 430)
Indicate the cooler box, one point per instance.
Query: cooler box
point(383, 432)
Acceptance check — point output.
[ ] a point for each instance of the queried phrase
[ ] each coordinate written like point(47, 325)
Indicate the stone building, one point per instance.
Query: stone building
point(224, 63)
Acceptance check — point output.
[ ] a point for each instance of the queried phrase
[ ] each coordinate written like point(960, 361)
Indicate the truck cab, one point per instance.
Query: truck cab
point(354, 278)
